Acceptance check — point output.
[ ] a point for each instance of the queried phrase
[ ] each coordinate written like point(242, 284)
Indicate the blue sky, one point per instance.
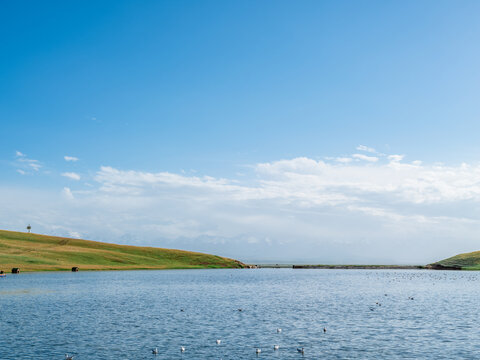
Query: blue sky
point(217, 92)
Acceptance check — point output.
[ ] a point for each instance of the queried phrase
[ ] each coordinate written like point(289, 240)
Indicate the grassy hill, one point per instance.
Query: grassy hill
point(33, 252)
point(467, 261)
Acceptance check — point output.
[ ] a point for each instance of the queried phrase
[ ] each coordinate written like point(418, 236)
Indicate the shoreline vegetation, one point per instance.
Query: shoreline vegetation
point(348, 267)
point(465, 261)
point(35, 252)
point(358, 267)
point(434, 266)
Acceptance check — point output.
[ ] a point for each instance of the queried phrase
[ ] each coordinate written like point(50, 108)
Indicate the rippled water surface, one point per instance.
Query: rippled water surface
point(122, 315)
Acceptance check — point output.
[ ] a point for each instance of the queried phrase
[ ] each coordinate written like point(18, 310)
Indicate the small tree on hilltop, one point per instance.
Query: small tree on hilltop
point(29, 228)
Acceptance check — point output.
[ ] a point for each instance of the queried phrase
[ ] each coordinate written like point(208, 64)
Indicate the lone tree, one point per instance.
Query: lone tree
point(29, 228)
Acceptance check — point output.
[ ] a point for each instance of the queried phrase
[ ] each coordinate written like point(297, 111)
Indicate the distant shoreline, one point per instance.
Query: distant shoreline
point(434, 266)
point(405, 267)
point(293, 266)
point(359, 267)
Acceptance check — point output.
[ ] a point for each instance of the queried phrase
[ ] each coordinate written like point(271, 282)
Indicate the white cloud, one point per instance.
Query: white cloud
point(71, 175)
point(23, 162)
point(20, 171)
point(331, 210)
point(366, 148)
point(396, 158)
point(311, 182)
point(70, 158)
point(34, 164)
point(67, 193)
point(74, 234)
point(344, 159)
point(365, 157)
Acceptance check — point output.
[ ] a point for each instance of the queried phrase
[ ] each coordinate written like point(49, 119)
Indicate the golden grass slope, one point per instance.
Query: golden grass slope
point(466, 261)
point(34, 252)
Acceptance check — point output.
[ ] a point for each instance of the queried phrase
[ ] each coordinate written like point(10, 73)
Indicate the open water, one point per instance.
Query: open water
point(124, 314)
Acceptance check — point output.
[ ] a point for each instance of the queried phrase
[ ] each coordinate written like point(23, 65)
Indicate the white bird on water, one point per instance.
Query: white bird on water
point(279, 330)
point(182, 348)
point(258, 351)
point(218, 342)
point(155, 351)
point(68, 357)
point(276, 347)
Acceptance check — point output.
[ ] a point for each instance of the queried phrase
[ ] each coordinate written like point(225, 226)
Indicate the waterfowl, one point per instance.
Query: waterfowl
point(68, 357)
point(276, 347)
point(324, 330)
point(279, 330)
point(218, 342)
point(182, 348)
point(258, 351)
point(155, 351)
point(301, 350)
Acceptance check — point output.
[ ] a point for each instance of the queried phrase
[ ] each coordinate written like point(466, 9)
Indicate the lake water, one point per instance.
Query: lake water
point(123, 315)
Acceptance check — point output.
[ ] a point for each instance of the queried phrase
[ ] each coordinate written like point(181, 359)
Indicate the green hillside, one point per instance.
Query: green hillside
point(33, 252)
point(467, 261)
